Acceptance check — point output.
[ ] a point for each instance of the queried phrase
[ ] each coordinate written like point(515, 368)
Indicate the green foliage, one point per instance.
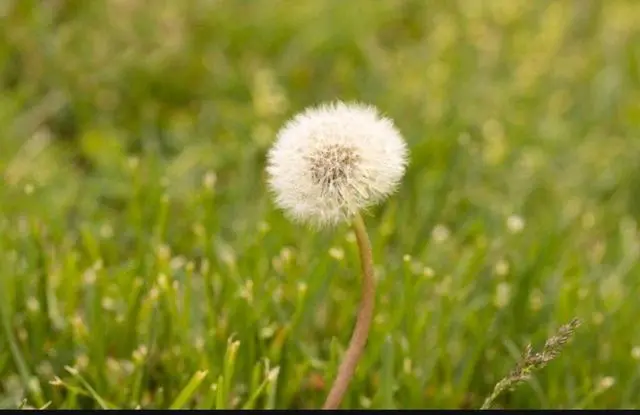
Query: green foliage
point(143, 263)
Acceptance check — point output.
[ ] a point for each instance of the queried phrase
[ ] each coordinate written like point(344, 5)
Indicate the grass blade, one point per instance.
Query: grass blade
point(188, 390)
point(103, 403)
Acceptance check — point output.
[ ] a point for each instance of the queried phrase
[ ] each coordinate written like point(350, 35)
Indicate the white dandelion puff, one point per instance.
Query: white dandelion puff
point(333, 160)
point(328, 163)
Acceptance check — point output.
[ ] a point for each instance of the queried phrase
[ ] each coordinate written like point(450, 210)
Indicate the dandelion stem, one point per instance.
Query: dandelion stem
point(363, 323)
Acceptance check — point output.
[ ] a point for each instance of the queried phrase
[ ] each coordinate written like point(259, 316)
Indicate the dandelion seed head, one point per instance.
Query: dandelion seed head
point(333, 160)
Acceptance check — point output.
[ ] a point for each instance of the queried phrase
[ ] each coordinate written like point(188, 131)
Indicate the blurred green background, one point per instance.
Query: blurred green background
point(142, 261)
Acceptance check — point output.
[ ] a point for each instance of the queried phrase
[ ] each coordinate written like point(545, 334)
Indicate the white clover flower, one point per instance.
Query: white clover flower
point(331, 161)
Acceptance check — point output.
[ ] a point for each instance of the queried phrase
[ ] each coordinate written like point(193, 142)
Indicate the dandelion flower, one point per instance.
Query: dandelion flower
point(331, 161)
point(327, 164)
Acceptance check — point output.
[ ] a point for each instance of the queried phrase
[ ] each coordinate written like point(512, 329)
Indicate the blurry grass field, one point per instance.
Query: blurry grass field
point(142, 261)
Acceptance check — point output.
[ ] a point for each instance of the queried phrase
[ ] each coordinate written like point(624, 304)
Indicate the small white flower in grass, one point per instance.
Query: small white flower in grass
point(428, 272)
point(209, 180)
point(606, 382)
point(82, 362)
point(365, 402)
point(515, 224)
point(272, 375)
point(502, 268)
point(440, 233)
point(336, 253)
point(106, 231)
point(108, 303)
point(331, 161)
point(56, 381)
point(502, 295)
point(33, 304)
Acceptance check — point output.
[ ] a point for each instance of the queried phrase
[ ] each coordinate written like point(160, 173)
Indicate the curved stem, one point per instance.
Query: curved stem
point(363, 323)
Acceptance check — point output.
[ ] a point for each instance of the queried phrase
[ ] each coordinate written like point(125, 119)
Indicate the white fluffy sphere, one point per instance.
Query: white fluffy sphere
point(331, 161)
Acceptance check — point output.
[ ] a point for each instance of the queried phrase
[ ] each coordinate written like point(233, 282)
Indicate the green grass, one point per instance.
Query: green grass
point(142, 261)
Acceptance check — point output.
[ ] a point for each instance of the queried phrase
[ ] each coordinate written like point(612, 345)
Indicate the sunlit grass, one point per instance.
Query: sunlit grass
point(142, 262)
